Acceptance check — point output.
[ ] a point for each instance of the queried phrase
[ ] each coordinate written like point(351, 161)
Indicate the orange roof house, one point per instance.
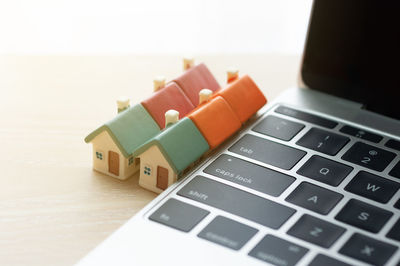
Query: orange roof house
point(193, 80)
point(169, 97)
point(193, 127)
point(216, 121)
point(244, 97)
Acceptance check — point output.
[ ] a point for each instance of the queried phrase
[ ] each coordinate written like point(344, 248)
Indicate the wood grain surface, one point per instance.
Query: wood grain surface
point(53, 208)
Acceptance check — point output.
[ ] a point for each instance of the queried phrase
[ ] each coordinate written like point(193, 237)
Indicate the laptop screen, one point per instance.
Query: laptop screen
point(353, 51)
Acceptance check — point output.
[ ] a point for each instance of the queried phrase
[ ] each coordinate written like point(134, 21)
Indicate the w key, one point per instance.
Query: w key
point(372, 187)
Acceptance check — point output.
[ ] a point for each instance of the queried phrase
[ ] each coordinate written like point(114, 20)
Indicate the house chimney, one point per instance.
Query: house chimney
point(158, 83)
point(188, 62)
point(204, 95)
point(232, 74)
point(122, 103)
point(171, 117)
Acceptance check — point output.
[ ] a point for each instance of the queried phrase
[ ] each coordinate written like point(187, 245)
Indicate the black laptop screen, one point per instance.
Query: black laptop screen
point(353, 51)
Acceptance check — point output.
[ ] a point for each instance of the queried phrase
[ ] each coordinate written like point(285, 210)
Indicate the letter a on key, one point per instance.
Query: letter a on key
point(313, 199)
point(372, 187)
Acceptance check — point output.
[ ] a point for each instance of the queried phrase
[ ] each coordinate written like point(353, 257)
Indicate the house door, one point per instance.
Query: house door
point(113, 163)
point(162, 177)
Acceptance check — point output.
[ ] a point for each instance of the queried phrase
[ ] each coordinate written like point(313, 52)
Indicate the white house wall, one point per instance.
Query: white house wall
point(152, 158)
point(104, 143)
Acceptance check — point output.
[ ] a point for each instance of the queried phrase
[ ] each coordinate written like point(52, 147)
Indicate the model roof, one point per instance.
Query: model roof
point(193, 80)
point(180, 143)
point(169, 97)
point(216, 121)
point(129, 129)
point(244, 97)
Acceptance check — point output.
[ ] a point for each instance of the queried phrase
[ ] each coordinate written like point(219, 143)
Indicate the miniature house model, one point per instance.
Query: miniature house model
point(166, 134)
point(115, 141)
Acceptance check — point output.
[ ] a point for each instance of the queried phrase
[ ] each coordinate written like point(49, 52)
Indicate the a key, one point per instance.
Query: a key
point(277, 251)
point(317, 120)
point(249, 175)
point(237, 202)
point(364, 216)
point(267, 151)
point(278, 128)
point(323, 260)
point(372, 187)
point(325, 170)
point(369, 156)
point(394, 233)
point(394, 144)
point(367, 249)
point(362, 134)
point(316, 231)
point(323, 141)
point(395, 171)
point(179, 215)
point(227, 233)
point(314, 198)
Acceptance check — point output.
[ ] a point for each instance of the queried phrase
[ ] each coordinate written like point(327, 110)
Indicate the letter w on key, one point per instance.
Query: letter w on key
point(372, 187)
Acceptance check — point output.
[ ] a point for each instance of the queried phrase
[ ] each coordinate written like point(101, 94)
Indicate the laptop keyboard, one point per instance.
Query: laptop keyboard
point(296, 188)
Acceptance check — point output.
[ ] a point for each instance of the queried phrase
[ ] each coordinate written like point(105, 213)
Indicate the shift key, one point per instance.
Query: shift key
point(267, 151)
point(236, 201)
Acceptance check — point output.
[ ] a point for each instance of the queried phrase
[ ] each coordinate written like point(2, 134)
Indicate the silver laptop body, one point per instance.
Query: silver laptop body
point(327, 195)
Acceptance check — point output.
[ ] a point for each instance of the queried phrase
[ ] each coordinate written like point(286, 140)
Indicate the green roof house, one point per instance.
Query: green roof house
point(115, 141)
point(165, 157)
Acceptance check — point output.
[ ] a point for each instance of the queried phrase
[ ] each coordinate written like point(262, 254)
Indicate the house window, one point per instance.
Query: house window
point(99, 155)
point(147, 170)
point(130, 160)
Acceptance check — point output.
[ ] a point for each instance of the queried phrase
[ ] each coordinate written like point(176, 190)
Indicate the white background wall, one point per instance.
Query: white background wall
point(152, 26)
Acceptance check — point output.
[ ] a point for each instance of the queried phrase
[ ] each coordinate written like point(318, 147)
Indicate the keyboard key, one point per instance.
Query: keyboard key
point(369, 156)
point(397, 204)
point(372, 187)
point(277, 251)
point(394, 233)
point(324, 170)
point(237, 202)
point(278, 128)
point(316, 231)
point(267, 151)
point(227, 233)
point(249, 175)
point(394, 144)
point(395, 171)
point(367, 249)
point(323, 141)
point(314, 198)
point(364, 216)
point(324, 260)
point(360, 133)
point(306, 117)
point(179, 215)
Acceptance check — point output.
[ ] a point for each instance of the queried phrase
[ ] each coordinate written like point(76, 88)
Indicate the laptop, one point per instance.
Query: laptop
point(313, 179)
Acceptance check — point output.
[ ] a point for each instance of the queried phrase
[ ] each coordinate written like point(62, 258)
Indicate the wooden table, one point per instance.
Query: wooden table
point(53, 208)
